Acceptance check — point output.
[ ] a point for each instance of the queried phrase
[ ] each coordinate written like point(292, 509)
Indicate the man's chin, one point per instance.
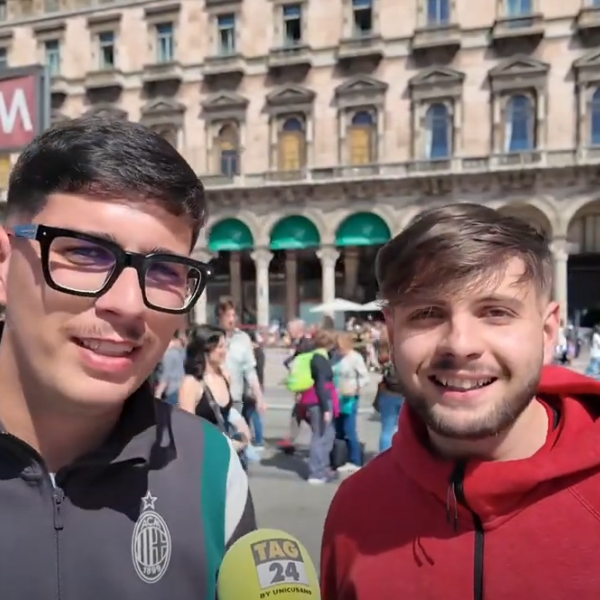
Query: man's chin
point(94, 394)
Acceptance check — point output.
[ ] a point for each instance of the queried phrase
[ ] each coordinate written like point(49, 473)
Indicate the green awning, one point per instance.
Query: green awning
point(230, 235)
point(363, 229)
point(294, 233)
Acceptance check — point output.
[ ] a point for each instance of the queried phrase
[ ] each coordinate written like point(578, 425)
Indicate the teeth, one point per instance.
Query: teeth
point(463, 384)
point(107, 348)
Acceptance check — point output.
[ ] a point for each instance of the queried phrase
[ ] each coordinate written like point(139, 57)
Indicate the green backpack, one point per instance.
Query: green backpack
point(300, 378)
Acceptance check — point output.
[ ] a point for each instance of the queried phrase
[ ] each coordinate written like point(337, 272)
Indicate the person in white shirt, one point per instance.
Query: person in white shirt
point(593, 368)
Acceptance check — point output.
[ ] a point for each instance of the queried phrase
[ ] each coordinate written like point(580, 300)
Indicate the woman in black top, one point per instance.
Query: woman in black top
point(205, 387)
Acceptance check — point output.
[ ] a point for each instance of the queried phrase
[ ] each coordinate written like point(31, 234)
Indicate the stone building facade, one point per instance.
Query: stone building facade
point(321, 128)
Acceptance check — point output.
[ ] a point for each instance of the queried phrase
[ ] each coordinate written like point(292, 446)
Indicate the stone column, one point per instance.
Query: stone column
point(291, 284)
point(328, 256)
point(199, 312)
point(262, 258)
point(235, 279)
point(560, 253)
point(351, 263)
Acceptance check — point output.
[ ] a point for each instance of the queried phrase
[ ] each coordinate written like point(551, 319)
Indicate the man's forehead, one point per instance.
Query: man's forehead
point(508, 284)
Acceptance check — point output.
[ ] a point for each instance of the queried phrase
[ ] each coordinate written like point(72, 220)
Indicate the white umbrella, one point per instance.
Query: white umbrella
point(337, 305)
point(371, 306)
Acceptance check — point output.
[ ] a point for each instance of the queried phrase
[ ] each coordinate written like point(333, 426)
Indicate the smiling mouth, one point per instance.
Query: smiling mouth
point(456, 384)
point(105, 348)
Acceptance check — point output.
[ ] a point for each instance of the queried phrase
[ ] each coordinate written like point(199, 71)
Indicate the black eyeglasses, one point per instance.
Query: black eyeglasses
point(86, 265)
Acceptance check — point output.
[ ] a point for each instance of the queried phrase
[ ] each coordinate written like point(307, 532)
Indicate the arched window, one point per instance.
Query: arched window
point(520, 124)
point(439, 131)
point(361, 138)
point(228, 150)
point(595, 119)
point(292, 145)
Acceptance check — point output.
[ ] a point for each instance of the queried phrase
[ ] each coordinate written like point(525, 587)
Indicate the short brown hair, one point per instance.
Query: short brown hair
point(325, 338)
point(224, 304)
point(457, 245)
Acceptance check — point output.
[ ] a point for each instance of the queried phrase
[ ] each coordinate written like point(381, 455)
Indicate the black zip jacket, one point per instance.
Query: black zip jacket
point(149, 515)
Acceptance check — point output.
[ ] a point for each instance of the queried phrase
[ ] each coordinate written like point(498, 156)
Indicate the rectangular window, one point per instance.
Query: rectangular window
point(438, 12)
point(226, 27)
point(52, 56)
point(165, 43)
point(292, 25)
point(3, 57)
point(106, 50)
point(51, 6)
point(229, 163)
point(519, 8)
point(3, 10)
point(362, 18)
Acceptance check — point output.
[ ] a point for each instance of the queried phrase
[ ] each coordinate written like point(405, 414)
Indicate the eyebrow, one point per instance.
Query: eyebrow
point(111, 238)
point(491, 298)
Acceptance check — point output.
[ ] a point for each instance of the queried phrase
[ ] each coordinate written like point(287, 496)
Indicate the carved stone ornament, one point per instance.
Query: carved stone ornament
point(290, 98)
point(163, 111)
point(360, 90)
point(519, 72)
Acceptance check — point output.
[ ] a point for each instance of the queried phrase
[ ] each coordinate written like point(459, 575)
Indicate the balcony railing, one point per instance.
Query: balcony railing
point(536, 159)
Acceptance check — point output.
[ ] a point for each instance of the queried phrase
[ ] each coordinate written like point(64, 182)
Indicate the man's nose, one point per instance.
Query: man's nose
point(462, 337)
point(124, 297)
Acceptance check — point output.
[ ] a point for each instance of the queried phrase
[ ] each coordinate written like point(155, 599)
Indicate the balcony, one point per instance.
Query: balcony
point(522, 28)
point(162, 72)
point(59, 86)
point(103, 79)
point(416, 169)
point(445, 37)
point(224, 64)
point(220, 3)
point(290, 56)
point(588, 20)
point(360, 46)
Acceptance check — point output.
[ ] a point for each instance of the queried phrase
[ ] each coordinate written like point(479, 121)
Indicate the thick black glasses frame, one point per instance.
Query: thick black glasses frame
point(45, 235)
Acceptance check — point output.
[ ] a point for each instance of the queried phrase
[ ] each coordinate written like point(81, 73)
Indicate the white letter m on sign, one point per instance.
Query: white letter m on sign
point(17, 107)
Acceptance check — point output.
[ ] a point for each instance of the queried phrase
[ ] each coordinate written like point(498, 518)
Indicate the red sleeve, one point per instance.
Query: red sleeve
point(336, 551)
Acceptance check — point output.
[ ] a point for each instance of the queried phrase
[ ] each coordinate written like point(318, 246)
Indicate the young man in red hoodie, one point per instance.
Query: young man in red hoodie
point(491, 490)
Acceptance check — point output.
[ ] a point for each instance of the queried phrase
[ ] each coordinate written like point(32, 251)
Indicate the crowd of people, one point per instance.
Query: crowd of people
point(490, 489)
point(217, 372)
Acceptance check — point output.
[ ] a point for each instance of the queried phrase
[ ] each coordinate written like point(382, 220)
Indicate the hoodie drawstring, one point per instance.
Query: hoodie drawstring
point(455, 496)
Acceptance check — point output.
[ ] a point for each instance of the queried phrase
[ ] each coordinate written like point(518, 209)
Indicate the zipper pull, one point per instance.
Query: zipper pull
point(58, 498)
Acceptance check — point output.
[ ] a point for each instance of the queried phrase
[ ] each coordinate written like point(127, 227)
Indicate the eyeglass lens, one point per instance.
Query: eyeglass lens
point(83, 266)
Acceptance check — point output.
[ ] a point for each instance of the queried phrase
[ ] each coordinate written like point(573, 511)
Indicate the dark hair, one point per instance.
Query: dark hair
point(224, 304)
point(105, 159)
point(203, 339)
point(458, 245)
point(325, 338)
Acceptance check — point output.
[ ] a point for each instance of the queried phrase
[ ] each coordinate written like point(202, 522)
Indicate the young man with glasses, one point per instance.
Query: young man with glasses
point(110, 492)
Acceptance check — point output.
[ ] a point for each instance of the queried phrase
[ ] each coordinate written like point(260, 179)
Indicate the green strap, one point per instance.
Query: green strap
point(215, 469)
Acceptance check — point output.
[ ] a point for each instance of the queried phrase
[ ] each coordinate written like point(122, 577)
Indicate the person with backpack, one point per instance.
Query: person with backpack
point(301, 343)
point(312, 378)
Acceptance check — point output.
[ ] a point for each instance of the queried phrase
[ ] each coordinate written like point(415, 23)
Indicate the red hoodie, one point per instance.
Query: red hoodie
point(411, 526)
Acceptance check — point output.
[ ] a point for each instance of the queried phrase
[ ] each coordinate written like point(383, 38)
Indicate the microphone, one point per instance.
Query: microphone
point(265, 564)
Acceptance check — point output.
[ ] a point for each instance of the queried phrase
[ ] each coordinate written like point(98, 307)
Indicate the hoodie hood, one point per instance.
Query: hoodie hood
point(497, 490)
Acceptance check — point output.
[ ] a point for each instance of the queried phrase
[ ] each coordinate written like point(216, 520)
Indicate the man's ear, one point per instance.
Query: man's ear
point(5, 250)
point(388, 314)
point(552, 323)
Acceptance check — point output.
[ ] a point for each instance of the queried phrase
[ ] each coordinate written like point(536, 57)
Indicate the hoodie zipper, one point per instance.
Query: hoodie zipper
point(456, 493)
